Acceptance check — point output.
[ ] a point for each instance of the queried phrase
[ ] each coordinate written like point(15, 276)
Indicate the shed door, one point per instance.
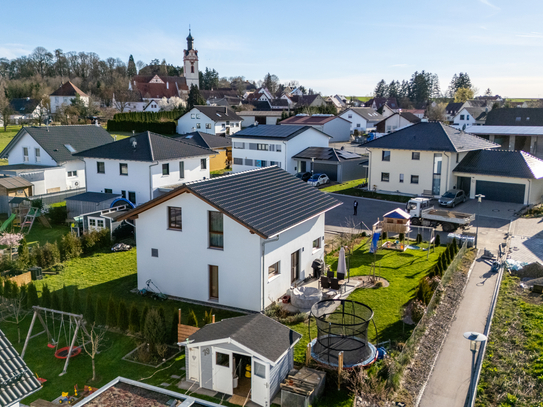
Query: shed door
point(194, 364)
point(328, 169)
point(260, 388)
point(501, 191)
point(223, 378)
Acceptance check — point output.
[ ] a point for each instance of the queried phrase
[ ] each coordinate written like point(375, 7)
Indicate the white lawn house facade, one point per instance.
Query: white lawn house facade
point(420, 159)
point(64, 96)
point(218, 120)
point(336, 127)
point(44, 156)
point(142, 167)
point(237, 241)
point(267, 145)
point(361, 118)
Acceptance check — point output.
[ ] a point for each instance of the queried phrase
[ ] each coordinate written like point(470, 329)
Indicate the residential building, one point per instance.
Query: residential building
point(420, 113)
point(339, 165)
point(222, 146)
point(218, 120)
point(263, 146)
point(308, 100)
point(362, 119)
point(139, 168)
point(506, 176)
point(396, 121)
point(387, 111)
point(261, 229)
point(252, 117)
point(470, 116)
point(45, 155)
point(338, 128)
point(65, 95)
point(156, 87)
point(377, 103)
point(26, 110)
point(451, 110)
point(419, 159)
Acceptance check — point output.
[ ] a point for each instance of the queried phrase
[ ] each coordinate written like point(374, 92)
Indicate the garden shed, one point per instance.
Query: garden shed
point(88, 202)
point(396, 221)
point(251, 353)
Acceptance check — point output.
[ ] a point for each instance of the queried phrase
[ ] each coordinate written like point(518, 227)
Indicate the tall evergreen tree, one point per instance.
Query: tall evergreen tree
point(45, 297)
point(144, 313)
point(100, 313)
point(32, 296)
point(122, 317)
point(134, 319)
point(111, 320)
point(194, 97)
point(174, 327)
point(90, 308)
point(56, 303)
point(381, 90)
point(131, 69)
point(76, 302)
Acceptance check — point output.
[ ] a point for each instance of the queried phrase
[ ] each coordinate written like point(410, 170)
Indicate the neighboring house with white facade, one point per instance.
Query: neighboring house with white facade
point(26, 110)
point(65, 95)
point(361, 118)
point(470, 116)
point(249, 236)
point(451, 110)
point(396, 121)
point(419, 159)
point(45, 155)
point(339, 165)
point(264, 146)
point(336, 127)
point(139, 167)
point(218, 120)
point(387, 111)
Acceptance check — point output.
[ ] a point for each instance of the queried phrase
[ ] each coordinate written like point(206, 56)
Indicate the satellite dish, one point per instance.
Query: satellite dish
point(133, 142)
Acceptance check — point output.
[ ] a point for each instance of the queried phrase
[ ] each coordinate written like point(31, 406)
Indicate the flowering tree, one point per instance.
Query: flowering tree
point(171, 104)
point(11, 240)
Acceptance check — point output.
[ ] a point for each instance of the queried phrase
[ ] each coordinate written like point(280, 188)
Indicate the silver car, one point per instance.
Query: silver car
point(452, 197)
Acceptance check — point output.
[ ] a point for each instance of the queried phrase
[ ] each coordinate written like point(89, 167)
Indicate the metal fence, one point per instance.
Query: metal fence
point(47, 199)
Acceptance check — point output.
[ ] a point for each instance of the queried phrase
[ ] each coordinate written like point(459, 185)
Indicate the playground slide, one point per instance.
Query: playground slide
point(375, 241)
point(7, 222)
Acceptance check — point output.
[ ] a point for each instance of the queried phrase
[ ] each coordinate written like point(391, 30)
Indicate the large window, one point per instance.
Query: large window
point(165, 169)
point(273, 270)
point(260, 163)
point(208, 125)
point(385, 176)
point(132, 197)
point(174, 218)
point(385, 156)
point(181, 169)
point(414, 179)
point(216, 230)
point(101, 167)
point(214, 282)
point(203, 163)
point(108, 191)
point(317, 244)
point(25, 154)
point(401, 178)
point(123, 169)
point(238, 144)
point(262, 147)
point(238, 161)
point(38, 157)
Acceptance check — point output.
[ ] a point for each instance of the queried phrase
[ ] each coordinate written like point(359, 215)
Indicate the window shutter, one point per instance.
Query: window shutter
point(238, 161)
point(272, 147)
point(248, 161)
point(253, 146)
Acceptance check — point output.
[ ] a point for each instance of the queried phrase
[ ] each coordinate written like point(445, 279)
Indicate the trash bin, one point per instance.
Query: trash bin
point(36, 273)
point(318, 268)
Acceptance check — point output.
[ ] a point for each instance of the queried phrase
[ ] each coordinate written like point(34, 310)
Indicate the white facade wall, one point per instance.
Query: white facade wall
point(401, 162)
point(143, 178)
point(74, 172)
point(357, 121)
point(194, 120)
point(339, 129)
point(289, 148)
point(58, 101)
point(250, 120)
point(16, 153)
point(463, 118)
point(54, 181)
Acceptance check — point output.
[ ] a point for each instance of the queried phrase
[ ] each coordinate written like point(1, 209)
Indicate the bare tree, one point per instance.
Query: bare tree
point(122, 95)
point(17, 311)
point(369, 389)
point(93, 342)
point(5, 108)
point(436, 112)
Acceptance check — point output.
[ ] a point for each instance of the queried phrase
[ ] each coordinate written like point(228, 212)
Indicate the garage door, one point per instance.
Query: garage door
point(328, 169)
point(501, 191)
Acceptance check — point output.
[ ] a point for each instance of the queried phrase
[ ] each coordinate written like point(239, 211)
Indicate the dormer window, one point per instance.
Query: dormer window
point(70, 148)
point(517, 119)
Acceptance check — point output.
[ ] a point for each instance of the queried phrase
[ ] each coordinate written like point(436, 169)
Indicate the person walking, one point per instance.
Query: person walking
point(355, 207)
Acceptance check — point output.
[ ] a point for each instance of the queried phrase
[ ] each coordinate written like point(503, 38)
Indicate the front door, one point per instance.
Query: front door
point(303, 166)
point(223, 378)
point(260, 388)
point(194, 364)
point(295, 266)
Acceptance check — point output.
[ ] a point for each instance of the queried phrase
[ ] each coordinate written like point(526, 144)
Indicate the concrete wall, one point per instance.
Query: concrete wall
point(339, 129)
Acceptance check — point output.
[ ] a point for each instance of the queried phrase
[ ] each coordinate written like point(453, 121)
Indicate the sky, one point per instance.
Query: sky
point(332, 47)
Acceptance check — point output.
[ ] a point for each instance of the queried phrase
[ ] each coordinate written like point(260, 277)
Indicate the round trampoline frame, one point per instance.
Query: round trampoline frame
point(342, 327)
point(62, 353)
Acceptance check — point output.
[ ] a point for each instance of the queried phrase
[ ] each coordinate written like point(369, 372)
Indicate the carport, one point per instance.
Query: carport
point(340, 165)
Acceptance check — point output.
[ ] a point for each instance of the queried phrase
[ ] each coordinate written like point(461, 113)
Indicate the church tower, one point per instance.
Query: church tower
point(190, 60)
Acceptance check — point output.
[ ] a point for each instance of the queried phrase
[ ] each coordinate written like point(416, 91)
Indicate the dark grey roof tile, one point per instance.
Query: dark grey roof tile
point(515, 164)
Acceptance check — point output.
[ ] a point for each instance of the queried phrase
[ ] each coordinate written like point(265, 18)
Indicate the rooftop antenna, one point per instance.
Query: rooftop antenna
point(133, 142)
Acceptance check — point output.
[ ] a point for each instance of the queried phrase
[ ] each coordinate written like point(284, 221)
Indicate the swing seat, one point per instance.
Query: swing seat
point(50, 345)
point(62, 353)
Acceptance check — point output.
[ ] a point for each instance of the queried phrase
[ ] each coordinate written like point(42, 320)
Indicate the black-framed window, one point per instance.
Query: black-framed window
point(132, 197)
point(260, 146)
point(181, 169)
point(101, 167)
point(123, 168)
point(165, 169)
point(414, 179)
point(385, 176)
point(216, 237)
point(461, 117)
point(175, 220)
point(203, 163)
point(108, 191)
point(385, 155)
point(154, 252)
point(214, 282)
point(123, 194)
point(415, 155)
point(273, 270)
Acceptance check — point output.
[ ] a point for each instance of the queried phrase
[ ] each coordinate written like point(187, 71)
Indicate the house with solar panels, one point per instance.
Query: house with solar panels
point(238, 241)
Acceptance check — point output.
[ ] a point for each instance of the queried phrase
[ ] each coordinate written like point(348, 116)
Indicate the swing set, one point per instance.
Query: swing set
point(68, 323)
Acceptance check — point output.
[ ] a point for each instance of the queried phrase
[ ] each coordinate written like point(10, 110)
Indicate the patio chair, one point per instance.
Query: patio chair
point(325, 282)
point(341, 276)
point(334, 284)
point(330, 274)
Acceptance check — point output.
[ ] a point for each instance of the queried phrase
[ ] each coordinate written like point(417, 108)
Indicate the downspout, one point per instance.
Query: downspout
point(527, 201)
point(448, 171)
point(286, 164)
point(150, 181)
point(262, 276)
point(369, 169)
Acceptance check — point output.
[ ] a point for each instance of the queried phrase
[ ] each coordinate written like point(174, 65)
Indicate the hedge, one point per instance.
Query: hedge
point(167, 127)
point(148, 117)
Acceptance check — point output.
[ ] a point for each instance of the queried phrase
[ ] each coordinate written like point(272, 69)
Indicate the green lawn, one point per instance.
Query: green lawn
point(40, 234)
point(344, 186)
point(120, 134)
point(218, 173)
point(348, 188)
point(402, 270)
point(5, 138)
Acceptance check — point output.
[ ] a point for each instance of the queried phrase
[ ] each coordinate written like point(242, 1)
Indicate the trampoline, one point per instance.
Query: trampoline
point(62, 353)
point(342, 326)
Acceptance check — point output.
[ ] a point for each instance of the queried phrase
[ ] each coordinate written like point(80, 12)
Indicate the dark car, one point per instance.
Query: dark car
point(304, 176)
point(452, 198)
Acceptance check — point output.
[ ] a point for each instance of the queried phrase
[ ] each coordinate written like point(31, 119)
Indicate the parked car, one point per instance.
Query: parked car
point(318, 179)
point(304, 176)
point(453, 197)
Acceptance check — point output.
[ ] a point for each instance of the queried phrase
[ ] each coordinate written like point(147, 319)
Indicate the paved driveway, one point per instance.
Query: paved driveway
point(527, 240)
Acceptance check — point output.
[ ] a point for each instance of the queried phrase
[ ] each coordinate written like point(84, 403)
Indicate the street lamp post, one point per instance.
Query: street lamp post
point(479, 199)
point(475, 340)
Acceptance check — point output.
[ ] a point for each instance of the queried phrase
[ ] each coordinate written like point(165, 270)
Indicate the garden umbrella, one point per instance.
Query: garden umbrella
point(341, 264)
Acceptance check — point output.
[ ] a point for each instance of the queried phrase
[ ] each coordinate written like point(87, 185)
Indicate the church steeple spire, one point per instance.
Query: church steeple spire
point(190, 41)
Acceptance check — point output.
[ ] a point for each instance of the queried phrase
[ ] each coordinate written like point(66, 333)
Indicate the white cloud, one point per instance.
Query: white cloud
point(399, 65)
point(531, 35)
point(489, 4)
point(11, 51)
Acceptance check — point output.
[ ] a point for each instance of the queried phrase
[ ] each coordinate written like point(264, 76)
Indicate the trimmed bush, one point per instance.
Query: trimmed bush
point(401, 238)
point(384, 236)
point(134, 319)
point(76, 302)
point(122, 317)
point(58, 214)
point(70, 246)
point(45, 297)
point(55, 301)
point(90, 308)
point(193, 320)
point(6, 289)
point(173, 337)
point(424, 291)
point(154, 330)
point(419, 238)
point(66, 300)
point(23, 258)
point(438, 241)
point(32, 296)
point(111, 319)
point(47, 256)
point(143, 316)
point(100, 312)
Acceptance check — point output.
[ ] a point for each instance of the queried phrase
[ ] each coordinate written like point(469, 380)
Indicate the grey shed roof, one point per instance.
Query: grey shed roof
point(327, 154)
point(54, 139)
point(205, 140)
point(267, 201)
point(515, 164)
point(149, 147)
point(515, 116)
point(430, 136)
point(272, 132)
point(16, 379)
point(95, 197)
point(259, 333)
point(14, 182)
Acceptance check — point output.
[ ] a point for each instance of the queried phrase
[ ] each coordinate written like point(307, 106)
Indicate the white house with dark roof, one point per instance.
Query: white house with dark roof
point(65, 94)
point(470, 116)
point(396, 121)
point(218, 120)
point(238, 241)
point(336, 127)
point(263, 146)
point(420, 159)
point(139, 167)
point(361, 118)
point(45, 155)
